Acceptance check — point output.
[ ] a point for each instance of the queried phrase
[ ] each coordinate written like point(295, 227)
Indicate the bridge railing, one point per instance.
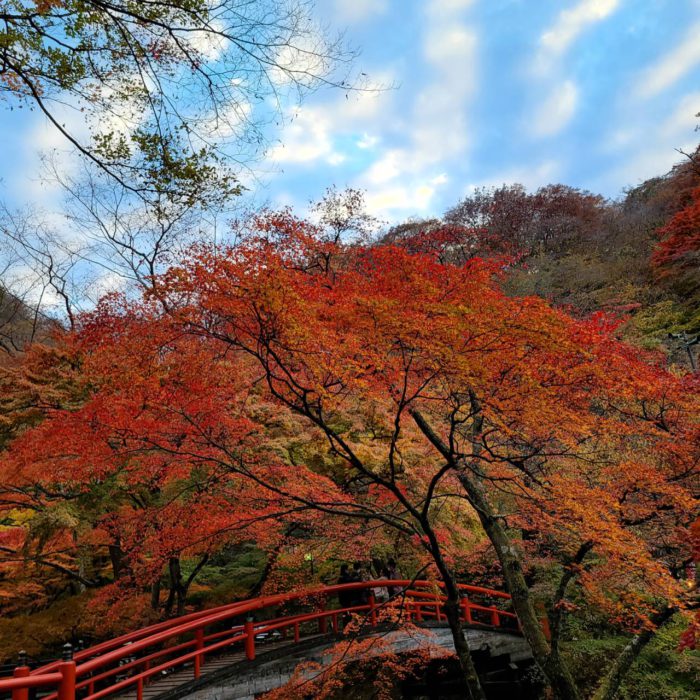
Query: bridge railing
point(130, 662)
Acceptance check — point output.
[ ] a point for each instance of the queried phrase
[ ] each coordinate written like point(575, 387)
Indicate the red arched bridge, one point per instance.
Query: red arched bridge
point(137, 664)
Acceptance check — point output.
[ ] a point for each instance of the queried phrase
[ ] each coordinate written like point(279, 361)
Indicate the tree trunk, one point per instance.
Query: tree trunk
point(454, 620)
point(560, 678)
point(155, 595)
point(179, 587)
point(269, 564)
point(175, 584)
point(181, 598)
point(116, 556)
point(452, 612)
point(610, 685)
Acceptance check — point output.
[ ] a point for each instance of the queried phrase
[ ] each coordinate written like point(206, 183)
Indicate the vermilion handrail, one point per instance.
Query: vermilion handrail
point(99, 665)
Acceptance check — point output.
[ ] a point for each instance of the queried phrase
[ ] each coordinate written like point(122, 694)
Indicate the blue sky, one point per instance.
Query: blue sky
point(593, 93)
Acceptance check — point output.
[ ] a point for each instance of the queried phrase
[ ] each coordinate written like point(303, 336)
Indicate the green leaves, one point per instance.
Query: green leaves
point(178, 79)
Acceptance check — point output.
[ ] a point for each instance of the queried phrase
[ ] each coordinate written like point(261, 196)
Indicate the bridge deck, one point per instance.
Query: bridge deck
point(234, 678)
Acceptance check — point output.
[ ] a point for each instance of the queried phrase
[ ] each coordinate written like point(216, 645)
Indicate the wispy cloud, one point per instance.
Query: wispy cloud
point(307, 138)
point(399, 198)
point(311, 131)
point(672, 66)
point(556, 111)
point(568, 26)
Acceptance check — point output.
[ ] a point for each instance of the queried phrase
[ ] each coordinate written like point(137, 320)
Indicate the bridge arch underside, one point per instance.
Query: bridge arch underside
point(502, 659)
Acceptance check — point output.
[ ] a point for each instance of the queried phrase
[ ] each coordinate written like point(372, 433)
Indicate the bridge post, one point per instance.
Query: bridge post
point(66, 688)
point(495, 619)
point(372, 609)
point(199, 659)
point(22, 671)
point(249, 630)
point(467, 611)
point(323, 621)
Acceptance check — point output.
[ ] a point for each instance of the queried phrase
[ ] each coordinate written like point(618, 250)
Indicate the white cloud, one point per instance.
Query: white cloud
point(336, 158)
point(400, 198)
point(403, 179)
point(356, 11)
point(388, 167)
point(208, 44)
point(450, 49)
point(104, 284)
point(683, 119)
point(309, 134)
point(570, 23)
point(556, 111)
point(439, 129)
point(306, 138)
point(43, 139)
point(420, 131)
point(672, 66)
point(232, 120)
point(367, 141)
point(301, 61)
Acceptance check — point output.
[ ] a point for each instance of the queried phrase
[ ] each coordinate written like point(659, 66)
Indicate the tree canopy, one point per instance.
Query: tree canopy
point(439, 409)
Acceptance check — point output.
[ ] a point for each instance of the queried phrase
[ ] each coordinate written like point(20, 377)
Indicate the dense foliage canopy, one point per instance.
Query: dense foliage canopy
point(424, 402)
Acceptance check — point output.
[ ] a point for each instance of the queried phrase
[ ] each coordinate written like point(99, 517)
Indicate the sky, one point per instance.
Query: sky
point(596, 94)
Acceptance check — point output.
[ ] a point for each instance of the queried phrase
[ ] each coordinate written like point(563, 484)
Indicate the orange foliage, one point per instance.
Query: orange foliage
point(199, 391)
